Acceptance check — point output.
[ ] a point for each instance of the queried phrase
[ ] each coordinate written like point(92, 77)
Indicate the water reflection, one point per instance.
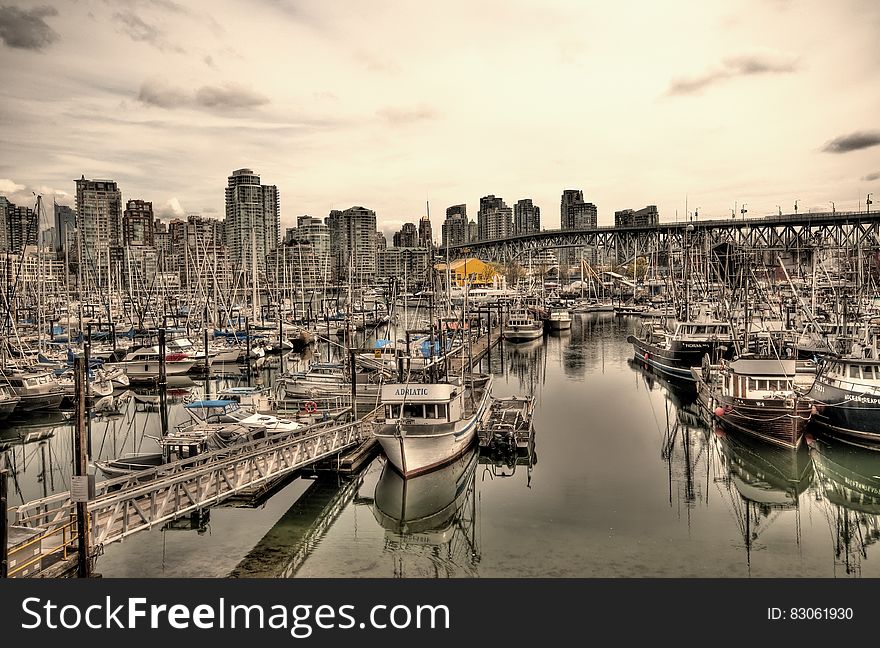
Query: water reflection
point(430, 520)
point(848, 477)
point(764, 481)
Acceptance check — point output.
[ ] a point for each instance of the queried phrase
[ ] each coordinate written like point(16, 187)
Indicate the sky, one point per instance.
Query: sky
point(713, 106)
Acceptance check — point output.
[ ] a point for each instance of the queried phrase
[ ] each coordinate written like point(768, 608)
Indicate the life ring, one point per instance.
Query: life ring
point(311, 407)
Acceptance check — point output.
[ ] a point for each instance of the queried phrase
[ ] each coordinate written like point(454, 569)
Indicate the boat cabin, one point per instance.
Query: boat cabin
point(759, 378)
point(703, 330)
point(421, 404)
point(853, 373)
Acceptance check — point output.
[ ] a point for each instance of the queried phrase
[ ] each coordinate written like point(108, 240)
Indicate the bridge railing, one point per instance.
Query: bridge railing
point(56, 509)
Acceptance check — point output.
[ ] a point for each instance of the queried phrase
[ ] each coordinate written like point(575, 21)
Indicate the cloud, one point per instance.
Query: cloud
point(871, 177)
point(7, 186)
point(24, 29)
point(142, 32)
point(852, 142)
point(158, 92)
point(735, 66)
point(229, 95)
point(171, 209)
point(407, 115)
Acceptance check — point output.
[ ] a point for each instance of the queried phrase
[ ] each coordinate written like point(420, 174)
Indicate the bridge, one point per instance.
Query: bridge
point(780, 233)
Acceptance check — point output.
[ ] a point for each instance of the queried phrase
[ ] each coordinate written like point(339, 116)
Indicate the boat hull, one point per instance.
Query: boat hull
point(522, 335)
point(416, 455)
point(675, 362)
point(846, 413)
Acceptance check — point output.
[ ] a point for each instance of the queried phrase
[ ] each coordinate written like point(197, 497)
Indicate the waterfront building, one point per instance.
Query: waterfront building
point(381, 241)
point(253, 219)
point(137, 223)
point(645, 217)
point(454, 230)
point(353, 239)
point(307, 244)
point(469, 271)
point(495, 219)
point(526, 217)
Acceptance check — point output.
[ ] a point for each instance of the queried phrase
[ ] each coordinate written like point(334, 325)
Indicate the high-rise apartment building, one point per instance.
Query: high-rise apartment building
point(353, 240)
point(495, 219)
point(253, 218)
point(575, 213)
point(137, 223)
point(454, 229)
point(19, 226)
point(526, 217)
point(98, 216)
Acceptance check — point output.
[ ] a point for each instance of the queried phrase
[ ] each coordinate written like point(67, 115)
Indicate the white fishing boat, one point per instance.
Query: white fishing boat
point(521, 326)
point(427, 425)
point(559, 319)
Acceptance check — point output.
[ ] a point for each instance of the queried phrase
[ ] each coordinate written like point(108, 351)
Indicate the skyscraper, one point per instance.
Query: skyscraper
point(426, 234)
point(454, 229)
point(99, 222)
point(526, 217)
point(253, 218)
point(353, 238)
point(65, 224)
point(495, 219)
point(644, 217)
point(574, 213)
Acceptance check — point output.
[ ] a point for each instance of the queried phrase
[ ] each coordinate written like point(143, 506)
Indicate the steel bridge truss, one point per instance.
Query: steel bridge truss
point(852, 230)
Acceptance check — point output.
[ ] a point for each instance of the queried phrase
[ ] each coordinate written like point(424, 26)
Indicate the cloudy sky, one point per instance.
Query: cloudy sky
point(388, 104)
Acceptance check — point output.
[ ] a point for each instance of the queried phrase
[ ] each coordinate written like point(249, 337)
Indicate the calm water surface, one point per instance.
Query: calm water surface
point(626, 480)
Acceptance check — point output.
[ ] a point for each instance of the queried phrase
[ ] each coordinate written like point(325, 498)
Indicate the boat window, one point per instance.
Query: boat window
point(413, 410)
point(868, 372)
point(854, 371)
point(430, 412)
point(441, 412)
point(753, 384)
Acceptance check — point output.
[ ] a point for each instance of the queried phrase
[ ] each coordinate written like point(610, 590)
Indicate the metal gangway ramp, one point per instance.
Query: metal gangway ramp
point(128, 504)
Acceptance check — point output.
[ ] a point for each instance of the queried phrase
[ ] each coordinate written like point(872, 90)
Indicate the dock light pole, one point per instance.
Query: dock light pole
point(868, 202)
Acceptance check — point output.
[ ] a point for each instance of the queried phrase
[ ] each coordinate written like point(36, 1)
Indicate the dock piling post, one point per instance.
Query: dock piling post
point(4, 528)
point(80, 465)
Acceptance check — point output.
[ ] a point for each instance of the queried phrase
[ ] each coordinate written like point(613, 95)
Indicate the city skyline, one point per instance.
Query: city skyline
point(703, 107)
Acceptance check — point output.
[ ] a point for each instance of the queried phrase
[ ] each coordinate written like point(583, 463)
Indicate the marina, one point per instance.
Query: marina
point(553, 432)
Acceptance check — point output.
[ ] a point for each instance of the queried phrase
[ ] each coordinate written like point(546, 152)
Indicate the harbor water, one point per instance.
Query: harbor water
point(627, 479)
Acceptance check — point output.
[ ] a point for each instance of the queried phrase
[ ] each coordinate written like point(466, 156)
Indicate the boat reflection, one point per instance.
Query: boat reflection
point(430, 520)
point(848, 477)
point(764, 480)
